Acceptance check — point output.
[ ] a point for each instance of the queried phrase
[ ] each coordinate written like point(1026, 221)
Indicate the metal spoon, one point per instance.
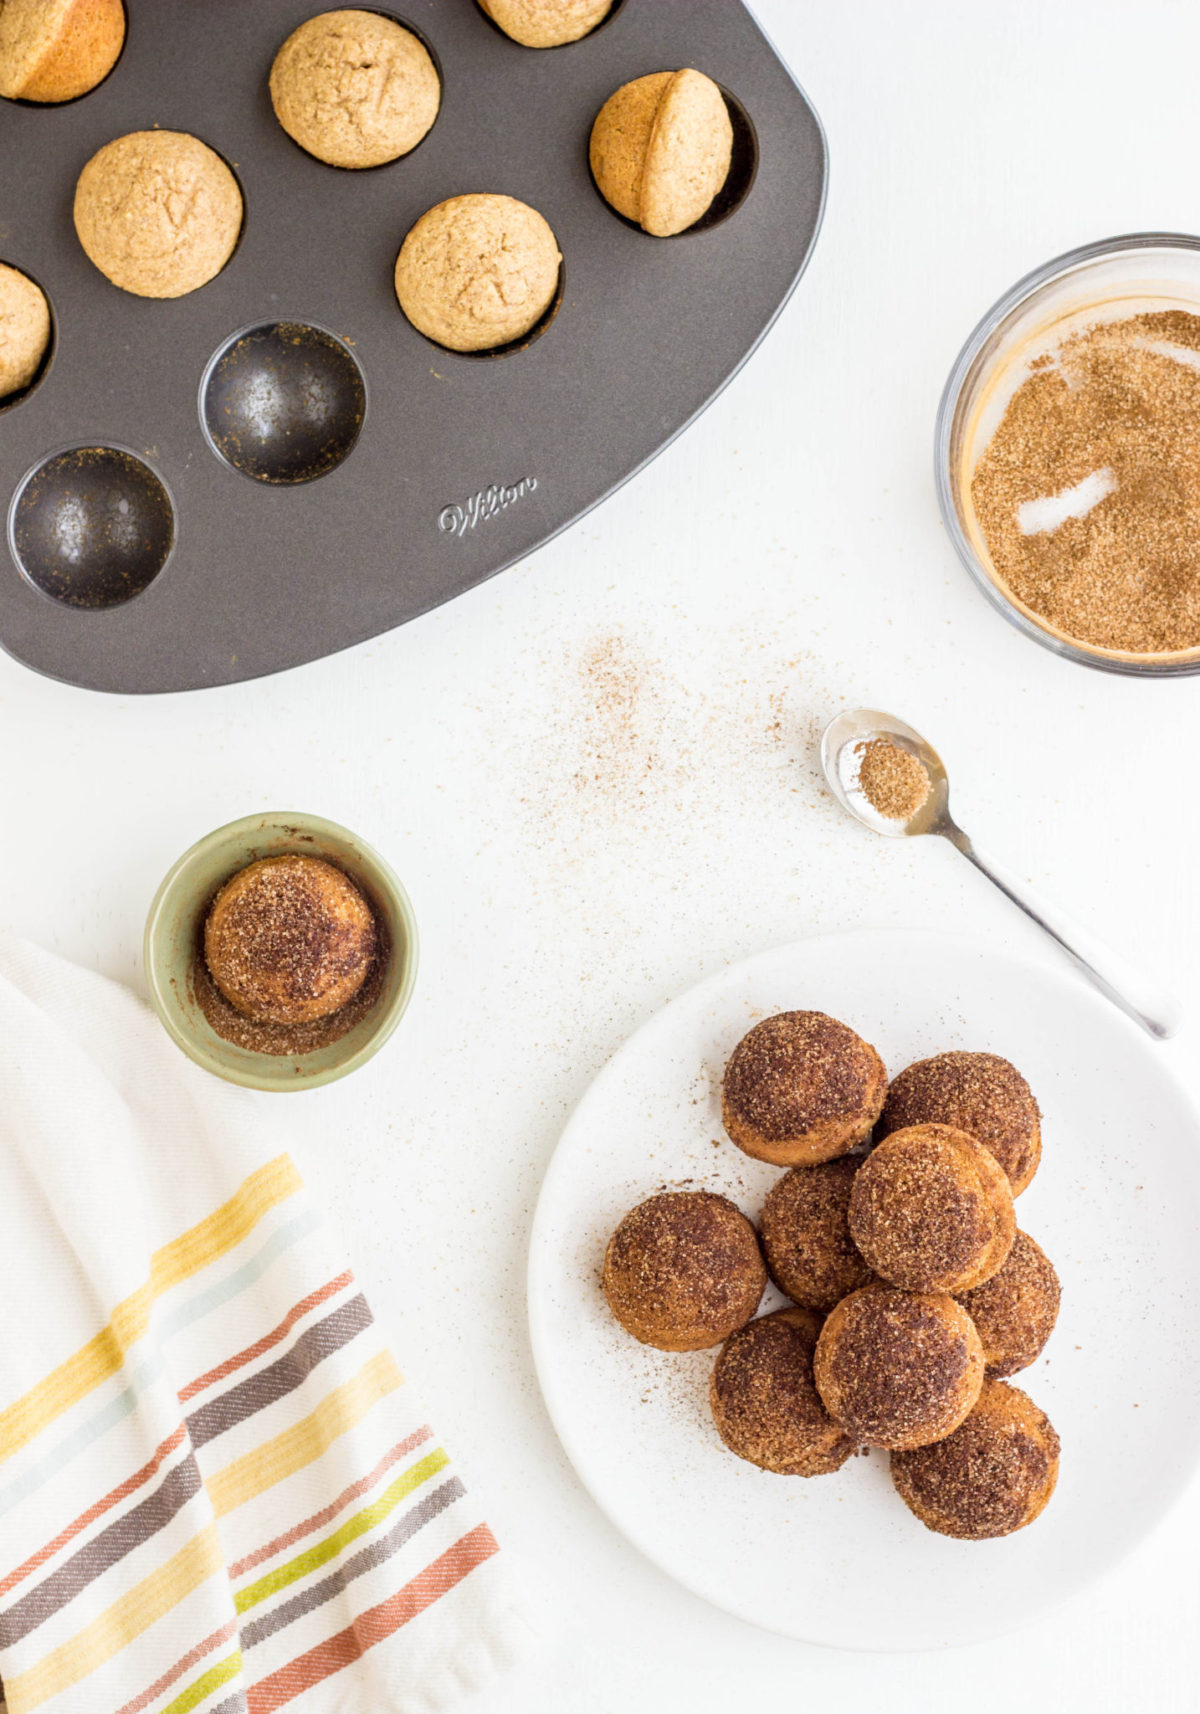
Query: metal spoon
point(1154, 1008)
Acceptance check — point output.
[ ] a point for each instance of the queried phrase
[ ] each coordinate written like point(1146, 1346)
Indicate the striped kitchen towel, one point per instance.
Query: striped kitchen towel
point(217, 1495)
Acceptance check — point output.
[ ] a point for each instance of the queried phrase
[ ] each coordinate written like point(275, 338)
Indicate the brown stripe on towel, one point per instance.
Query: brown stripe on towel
point(283, 1376)
point(261, 1346)
point(130, 1485)
point(178, 1486)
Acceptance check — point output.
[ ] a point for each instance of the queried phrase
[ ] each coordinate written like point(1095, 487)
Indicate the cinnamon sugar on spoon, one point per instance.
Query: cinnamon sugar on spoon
point(893, 780)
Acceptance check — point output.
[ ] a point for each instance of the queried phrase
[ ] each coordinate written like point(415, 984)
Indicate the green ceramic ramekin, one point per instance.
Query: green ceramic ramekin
point(173, 935)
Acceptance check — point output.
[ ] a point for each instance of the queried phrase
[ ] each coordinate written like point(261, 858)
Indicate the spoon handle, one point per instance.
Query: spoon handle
point(1155, 1008)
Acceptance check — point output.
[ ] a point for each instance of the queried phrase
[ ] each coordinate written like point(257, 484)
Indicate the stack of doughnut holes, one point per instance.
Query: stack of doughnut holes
point(893, 1232)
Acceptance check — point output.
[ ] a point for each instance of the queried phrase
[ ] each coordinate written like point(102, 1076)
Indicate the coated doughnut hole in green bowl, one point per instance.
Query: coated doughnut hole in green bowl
point(181, 991)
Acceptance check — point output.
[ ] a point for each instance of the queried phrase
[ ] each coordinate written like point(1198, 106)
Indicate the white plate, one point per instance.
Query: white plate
point(838, 1559)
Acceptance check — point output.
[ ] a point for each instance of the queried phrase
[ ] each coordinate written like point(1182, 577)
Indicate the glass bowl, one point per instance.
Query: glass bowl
point(1106, 281)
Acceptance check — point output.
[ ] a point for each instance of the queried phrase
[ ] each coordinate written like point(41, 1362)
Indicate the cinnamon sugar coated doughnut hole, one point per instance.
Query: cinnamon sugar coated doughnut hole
point(764, 1403)
point(801, 1088)
point(990, 1477)
point(56, 50)
point(683, 1270)
point(1014, 1312)
point(898, 1369)
point(547, 23)
point(975, 1092)
point(806, 1236)
point(354, 88)
point(931, 1210)
point(289, 940)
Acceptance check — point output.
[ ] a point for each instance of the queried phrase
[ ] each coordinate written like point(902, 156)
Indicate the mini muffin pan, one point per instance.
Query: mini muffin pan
point(276, 466)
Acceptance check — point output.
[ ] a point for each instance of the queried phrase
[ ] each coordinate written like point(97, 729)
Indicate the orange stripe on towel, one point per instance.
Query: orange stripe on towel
point(375, 1625)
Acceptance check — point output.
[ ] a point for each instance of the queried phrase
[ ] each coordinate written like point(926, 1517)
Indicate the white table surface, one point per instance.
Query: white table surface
point(596, 776)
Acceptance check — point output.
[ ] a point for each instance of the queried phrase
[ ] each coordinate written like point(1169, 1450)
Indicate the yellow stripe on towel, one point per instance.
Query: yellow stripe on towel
point(135, 1611)
point(305, 1441)
point(104, 1354)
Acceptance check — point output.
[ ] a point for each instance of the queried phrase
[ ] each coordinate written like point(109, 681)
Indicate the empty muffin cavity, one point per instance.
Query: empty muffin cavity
point(28, 334)
point(91, 526)
point(283, 402)
point(739, 181)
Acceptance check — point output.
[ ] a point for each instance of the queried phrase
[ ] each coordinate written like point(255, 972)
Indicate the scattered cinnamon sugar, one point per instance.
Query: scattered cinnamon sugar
point(1088, 493)
point(893, 780)
point(619, 746)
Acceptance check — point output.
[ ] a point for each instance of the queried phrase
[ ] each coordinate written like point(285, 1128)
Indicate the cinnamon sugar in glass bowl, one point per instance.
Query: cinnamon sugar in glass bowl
point(1110, 281)
point(173, 950)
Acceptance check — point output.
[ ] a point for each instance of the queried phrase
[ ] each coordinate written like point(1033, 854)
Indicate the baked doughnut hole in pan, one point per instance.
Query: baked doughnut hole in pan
point(242, 594)
point(418, 35)
point(739, 182)
point(514, 345)
point(55, 104)
point(283, 402)
point(595, 30)
point(91, 526)
point(9, 401)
